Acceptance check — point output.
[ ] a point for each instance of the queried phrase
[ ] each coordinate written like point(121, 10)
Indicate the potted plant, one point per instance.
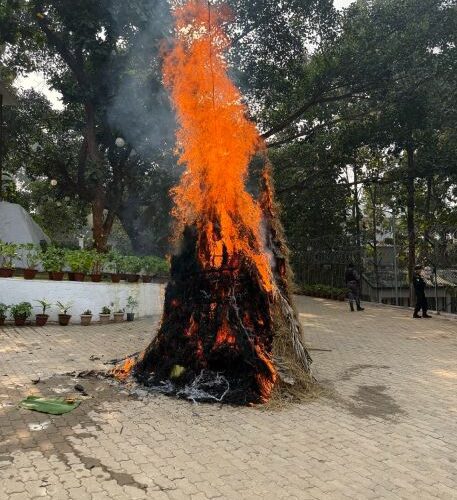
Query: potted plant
point(20, 312)
point(53, 262)
point(86, 317)
point(31, 254)
point(80, 263)
point(105, 315)
point(132, 304)
point(42, 318)
point(115, 265)
point(98, 261)
point(149, 268)
point(64, 317)
point(3, 310)
point(119, 316)
point(7, 256)
point(132, 265)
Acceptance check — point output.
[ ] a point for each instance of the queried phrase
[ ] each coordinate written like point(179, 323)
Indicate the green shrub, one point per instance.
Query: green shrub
point(3, 310)
point(154, 265)
point(132, 264)
point(132, 303)
point(53, 259)
point(80, 261)
point(8, 252)
point(98, 261)
point(31, 254)
point(23, 309)
point(115, 262)
point(324, 291)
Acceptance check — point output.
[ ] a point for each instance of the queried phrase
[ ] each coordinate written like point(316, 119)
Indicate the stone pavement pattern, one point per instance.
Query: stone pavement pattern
point(386, 427)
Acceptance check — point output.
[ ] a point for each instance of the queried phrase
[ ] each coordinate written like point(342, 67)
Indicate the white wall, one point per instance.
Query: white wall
point(83, 295)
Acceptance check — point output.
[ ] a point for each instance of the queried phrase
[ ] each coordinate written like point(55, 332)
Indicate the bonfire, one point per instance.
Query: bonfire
point(229, 331)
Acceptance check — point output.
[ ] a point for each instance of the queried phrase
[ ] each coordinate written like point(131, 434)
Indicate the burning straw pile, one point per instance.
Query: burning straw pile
point(229, 331)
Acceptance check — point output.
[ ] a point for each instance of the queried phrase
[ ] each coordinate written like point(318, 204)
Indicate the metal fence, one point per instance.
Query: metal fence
point(384, 278)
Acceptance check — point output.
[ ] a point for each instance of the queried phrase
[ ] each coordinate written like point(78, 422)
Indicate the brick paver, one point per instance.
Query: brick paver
point(386, 427)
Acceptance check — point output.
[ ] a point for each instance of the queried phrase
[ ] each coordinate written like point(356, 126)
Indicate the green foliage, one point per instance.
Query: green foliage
point(132, 303)
point(324, 291)
point(115, 262)
point(44, 305)
point(154, 265)
point(64, 307)
point(79, 260)
point(21, 310)
point(53, 259)
point(98, 261)
point(106, 310)
point(8, 252)
point(132, 264)
point(3, 310)
point(32, 254)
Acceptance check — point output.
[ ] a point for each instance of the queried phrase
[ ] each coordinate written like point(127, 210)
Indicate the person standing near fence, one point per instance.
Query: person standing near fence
point(419, 288)
point(352, 278)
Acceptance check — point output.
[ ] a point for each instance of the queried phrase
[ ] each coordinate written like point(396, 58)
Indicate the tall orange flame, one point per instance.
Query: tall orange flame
point(216, 142)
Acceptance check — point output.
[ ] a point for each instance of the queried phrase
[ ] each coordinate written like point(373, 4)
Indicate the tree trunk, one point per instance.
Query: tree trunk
point(102, 222)
point(128, 220)
point(411, 207)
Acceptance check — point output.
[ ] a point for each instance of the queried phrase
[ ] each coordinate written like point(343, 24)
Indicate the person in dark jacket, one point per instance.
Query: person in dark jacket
point(352, 279)
point(419, 287)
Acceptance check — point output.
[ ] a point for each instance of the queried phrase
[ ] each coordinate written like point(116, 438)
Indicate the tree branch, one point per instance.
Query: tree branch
point(56, 41)
point(302, 109)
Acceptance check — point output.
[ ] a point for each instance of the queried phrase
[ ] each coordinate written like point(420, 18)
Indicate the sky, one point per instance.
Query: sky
point(36, 80)
point(341, 4)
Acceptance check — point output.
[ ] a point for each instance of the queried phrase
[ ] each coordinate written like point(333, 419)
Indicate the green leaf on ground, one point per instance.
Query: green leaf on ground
point(56, 406)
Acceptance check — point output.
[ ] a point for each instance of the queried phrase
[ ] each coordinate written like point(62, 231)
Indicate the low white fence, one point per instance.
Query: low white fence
point(83, 296)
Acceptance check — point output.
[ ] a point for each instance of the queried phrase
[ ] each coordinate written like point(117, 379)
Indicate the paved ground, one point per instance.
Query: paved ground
point(386, 429)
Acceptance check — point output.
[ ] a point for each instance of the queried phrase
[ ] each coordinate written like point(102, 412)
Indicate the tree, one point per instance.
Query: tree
point(95, 56)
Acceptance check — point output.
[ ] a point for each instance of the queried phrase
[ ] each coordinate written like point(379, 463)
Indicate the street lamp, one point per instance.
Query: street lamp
point(120, 142)
point(6, 99)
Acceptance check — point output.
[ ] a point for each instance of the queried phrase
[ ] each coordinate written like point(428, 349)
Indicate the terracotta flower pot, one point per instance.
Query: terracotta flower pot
point(71, 276)
point(146, 279)
point(130, 316)
point(133, 278)
point(2, 320)
point(86, 319)
point(20, 320)
point(95, 278)
point(6, 272)
point(41, 319)
point(115, 278)
point(29, 274)
point(104, 318)
point(118, 317)
point(56, 275)
point(64, 319)
point(79, 276)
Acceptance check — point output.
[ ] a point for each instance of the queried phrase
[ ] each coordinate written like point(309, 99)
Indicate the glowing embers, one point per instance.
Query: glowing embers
point(225, 335)
point(123, 371)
